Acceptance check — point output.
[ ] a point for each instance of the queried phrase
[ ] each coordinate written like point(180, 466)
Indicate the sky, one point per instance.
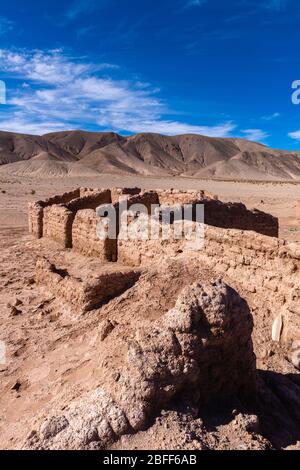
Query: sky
point(219, 68)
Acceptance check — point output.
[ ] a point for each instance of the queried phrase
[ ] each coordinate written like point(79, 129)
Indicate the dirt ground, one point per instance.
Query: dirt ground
point(50, 358)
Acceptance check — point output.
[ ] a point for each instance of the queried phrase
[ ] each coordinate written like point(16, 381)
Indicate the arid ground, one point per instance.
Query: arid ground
point(50, 356)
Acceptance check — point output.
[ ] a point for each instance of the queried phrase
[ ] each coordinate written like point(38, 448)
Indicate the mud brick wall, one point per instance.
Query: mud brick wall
point(172, 197)
point(237, 216)
point(91, 201)
point(88, 191)
point(35, 219)
point(86, 241)
point(62, 198)
point(58, 222)
point(135, 250)
point(84, 295)
point(36, 211)
point(117, 193)
point(221, 214)
point(147, 198)
point(266, 269)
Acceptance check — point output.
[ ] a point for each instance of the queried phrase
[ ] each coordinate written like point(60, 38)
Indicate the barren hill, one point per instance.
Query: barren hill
point(90, 153)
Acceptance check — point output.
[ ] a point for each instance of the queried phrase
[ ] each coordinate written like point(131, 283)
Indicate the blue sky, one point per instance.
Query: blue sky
point(220, 68)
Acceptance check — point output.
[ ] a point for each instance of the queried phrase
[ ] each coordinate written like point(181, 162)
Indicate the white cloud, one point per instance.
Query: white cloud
point(255, 134)
point(63, 93)
point(295, 135)
point(33, 128)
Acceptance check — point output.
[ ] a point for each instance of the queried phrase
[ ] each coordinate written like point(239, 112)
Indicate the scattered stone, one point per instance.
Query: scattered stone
point(277, 328)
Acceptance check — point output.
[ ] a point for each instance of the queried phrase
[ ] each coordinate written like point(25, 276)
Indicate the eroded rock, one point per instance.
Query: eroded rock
point(201, 350)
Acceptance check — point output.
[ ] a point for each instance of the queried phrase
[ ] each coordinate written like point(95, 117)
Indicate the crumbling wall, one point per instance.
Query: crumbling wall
point(91, 201)
point(35, 219)
point(223, 214)
point(89, 191)
point(62, 198)
point(267, 268)
point(36, 210)
point(117, 193)
point(58, 222)
point(173, 197)
point(84, 294)
point(147, 199)
point(237, 216)
point(86, 241)
point(53, 217)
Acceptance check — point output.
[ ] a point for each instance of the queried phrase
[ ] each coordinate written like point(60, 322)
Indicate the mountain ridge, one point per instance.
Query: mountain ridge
point(76, 152)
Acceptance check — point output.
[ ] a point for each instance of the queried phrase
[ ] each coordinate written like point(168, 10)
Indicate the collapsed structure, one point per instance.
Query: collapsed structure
point(193, 349)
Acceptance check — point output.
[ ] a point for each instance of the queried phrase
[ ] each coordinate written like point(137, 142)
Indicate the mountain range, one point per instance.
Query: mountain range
point(81, 153)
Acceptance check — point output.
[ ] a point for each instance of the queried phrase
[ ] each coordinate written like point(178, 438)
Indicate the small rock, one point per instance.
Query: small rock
point(116, 376)
point(296, 345)
point(14, 311)
point(270, 353)
point(32, 435)
point(30, 281)
point(295, 357)
point(105, 329)
point(54, 426)
point(17, 386)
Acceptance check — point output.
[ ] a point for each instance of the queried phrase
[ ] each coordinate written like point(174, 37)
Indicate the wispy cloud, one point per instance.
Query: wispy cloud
point(85, 31)
point(257, 135)
point(187, 4)
point(78, 7)
point(62, 92)
point(271, 117)
point(277, 5)
point(295, 135)
point(6, 25)
point(195, 3)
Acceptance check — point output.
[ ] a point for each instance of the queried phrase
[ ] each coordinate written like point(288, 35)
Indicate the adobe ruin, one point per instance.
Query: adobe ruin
point(242, 267)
